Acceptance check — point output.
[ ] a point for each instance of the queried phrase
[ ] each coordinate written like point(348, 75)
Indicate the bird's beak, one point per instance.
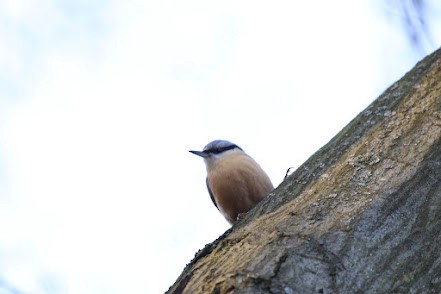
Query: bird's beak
point(199, 153)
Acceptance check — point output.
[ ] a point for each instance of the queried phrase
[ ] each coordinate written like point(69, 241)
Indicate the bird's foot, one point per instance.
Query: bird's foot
point(241, 216)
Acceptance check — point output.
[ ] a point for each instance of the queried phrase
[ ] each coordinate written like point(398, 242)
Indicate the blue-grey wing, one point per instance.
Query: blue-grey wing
point(211, 194)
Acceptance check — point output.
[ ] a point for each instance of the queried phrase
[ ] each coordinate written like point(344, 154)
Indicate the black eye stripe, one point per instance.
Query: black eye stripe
point(220, 150)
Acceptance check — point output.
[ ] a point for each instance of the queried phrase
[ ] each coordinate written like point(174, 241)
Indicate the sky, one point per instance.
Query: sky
point(100, 102)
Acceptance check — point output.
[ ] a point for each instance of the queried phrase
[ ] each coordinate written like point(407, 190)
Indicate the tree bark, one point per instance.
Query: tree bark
point(363, 214)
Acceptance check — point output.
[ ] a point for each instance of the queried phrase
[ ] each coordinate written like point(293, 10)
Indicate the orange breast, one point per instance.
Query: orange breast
point(238, 183)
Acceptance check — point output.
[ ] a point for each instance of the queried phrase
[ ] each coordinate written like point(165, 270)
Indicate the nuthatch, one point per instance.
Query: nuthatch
point(235, 182)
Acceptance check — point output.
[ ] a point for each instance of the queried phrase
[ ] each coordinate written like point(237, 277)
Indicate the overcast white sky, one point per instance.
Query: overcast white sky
point(101, 101)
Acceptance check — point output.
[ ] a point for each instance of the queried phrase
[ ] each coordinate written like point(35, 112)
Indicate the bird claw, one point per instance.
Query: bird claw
point(241, 216)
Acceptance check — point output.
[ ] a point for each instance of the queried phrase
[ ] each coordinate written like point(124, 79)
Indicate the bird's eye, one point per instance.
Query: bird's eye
point(220, 149)
point(213, 151)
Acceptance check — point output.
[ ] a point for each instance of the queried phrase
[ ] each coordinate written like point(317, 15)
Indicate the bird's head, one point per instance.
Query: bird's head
point(217, 149)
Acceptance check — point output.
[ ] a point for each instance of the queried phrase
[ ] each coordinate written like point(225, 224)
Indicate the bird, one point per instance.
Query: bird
point(235, 181)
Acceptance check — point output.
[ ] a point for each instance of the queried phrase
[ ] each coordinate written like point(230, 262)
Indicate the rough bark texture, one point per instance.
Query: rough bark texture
point(363, 214)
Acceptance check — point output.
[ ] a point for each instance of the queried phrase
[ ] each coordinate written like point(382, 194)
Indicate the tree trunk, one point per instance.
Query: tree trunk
point(363, 214)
